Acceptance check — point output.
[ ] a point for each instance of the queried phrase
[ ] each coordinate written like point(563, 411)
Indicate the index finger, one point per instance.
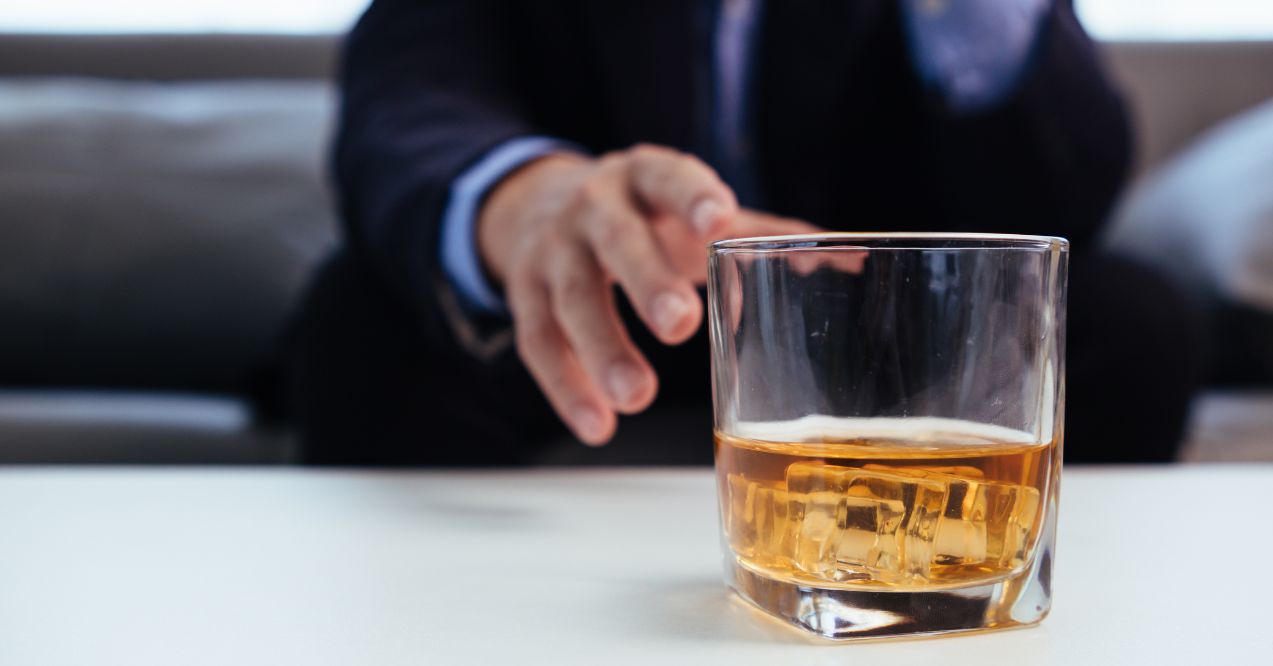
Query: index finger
point(682, 186)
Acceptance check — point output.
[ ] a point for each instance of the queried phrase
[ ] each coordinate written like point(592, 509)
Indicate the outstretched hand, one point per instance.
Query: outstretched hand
point(559, 233)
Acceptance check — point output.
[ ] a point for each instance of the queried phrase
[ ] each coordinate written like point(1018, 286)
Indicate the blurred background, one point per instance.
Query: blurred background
point(163, 199)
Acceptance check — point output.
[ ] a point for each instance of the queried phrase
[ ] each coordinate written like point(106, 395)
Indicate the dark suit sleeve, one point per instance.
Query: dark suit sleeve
point(1052, 157)
point(428, 87)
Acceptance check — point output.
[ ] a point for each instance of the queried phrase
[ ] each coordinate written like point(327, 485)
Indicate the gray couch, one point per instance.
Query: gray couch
point(162, 200)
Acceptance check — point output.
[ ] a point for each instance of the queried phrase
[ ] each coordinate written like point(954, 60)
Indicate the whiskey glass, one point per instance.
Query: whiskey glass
point(888, 424)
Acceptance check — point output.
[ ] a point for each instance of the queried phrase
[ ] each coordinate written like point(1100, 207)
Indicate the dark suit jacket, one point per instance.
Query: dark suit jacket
point(846, 135)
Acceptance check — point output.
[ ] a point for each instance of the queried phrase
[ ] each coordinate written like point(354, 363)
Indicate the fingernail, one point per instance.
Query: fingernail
point(590, 424)
point(624, 381)
point(705, 215)
point(669, 310)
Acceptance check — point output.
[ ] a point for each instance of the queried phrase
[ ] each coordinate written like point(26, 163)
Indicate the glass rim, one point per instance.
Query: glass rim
point(854, 240)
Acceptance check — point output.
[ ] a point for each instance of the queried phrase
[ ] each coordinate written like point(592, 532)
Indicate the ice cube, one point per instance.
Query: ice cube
point(757, 520)
point(1011, 512)
point(983, 522)
point(960, 532)
point(853, 523)
point(899, 525)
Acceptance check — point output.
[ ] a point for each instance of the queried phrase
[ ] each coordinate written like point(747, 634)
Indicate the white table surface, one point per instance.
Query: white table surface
point(140, 567)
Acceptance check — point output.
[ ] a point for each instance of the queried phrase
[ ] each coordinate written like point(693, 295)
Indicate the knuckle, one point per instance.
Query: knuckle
point(646, 151)
point(589, 194)
point(549, 221)
point(549, 241)
point(611, 161)
point(641, 150)
point(574, 286)
point(613, 231)
point(665, 175)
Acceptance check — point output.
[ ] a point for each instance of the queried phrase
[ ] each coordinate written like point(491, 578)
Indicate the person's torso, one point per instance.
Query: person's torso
point(839, 133)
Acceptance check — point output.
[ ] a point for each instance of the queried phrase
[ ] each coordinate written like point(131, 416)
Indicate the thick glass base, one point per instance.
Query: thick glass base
point(846, 614)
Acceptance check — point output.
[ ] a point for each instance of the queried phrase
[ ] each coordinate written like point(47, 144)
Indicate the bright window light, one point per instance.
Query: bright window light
point(1105, 19)
point(1184, 20)
point(181, 16)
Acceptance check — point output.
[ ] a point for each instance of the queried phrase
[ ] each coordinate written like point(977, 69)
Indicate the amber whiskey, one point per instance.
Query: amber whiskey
point(883, 503)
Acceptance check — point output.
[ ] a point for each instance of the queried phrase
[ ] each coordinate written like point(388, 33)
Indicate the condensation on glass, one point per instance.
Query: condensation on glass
point(889, 413)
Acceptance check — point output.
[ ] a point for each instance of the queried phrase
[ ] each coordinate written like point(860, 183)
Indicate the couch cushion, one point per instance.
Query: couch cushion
point(155, 234)
point(1206, 217)
point(78, 427)
point(170, 56)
